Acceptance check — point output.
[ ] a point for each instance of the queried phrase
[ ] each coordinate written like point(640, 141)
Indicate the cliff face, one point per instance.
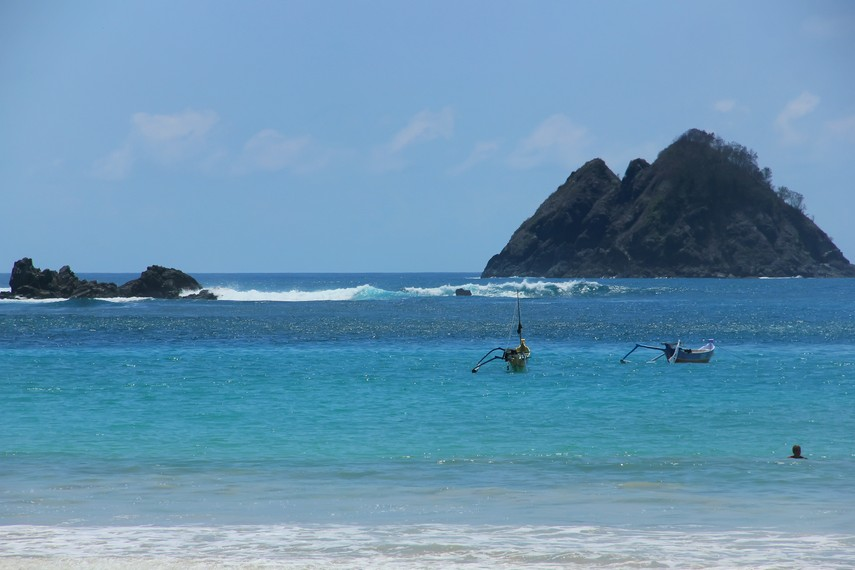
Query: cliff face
point(702, 209)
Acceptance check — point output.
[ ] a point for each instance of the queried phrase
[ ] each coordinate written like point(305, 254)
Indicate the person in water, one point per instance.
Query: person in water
point(797, 453)
point(523, 348)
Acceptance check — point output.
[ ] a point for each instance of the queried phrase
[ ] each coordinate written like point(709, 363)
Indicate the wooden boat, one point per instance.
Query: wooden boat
point(516, 358)
point(674, 352)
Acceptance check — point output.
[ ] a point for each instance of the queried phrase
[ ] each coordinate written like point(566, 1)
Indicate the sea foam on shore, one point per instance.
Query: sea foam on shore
point(414, 546)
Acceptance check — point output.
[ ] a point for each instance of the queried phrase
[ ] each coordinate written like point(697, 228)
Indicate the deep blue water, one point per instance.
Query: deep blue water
point(299, 402)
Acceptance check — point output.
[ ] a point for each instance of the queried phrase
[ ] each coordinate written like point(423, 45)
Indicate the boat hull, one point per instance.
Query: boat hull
point(689, 355)
point(517, 362)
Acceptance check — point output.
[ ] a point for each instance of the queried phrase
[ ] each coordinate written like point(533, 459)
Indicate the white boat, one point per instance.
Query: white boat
point(675, 352)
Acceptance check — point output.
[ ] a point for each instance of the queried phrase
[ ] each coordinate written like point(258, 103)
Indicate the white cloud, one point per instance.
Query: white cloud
point(724, 105)
point(164, 139)
point(557, 139)
point(185, 139)
point(424, 126)
point(180, 126)
point(172, 138)
point(799, 107)
point(271, 151)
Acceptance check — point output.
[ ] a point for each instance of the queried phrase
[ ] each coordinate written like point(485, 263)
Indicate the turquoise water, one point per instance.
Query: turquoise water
point(316, 420)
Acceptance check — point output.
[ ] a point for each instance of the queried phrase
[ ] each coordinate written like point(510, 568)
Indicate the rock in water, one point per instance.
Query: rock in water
point(30, 282)
point(160, 283)
point(702, 209)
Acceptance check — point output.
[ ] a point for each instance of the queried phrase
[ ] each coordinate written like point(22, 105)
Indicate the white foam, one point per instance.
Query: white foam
point(31, 300)
point(509, 289)
point(525, 289)
point(415, 546)
point(62, 300)
point(360, 292)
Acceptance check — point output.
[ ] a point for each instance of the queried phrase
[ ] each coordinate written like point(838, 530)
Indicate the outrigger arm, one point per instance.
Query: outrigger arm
point(637, 346)
point(484, 360)
point(506, 354)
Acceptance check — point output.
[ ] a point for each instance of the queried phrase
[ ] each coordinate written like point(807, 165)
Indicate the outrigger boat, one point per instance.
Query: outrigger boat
point(675, 352)
point(516, 358)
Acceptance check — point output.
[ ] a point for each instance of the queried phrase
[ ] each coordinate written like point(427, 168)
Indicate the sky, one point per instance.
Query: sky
point(387, 135)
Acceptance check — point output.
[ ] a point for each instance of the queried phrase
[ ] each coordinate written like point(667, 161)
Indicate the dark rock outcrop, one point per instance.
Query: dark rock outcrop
point(30, 282)
point(461, 292)
point(160, 283)
point(702, 209)
point(204, 294)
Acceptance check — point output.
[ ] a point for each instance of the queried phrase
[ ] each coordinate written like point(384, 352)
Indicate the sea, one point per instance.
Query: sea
point(334, 421)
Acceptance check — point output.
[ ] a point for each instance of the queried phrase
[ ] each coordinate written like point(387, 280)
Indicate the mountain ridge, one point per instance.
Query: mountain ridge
point(703, 208)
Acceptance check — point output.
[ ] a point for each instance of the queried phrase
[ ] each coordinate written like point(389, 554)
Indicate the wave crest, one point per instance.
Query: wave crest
point(359, 293)
point(526, 289)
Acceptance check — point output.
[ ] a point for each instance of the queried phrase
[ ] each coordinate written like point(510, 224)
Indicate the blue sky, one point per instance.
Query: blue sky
point(360, 136)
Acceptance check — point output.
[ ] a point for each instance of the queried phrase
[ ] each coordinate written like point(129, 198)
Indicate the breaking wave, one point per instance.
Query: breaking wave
point(525, 289)
point(416, 546)
point(359, 293)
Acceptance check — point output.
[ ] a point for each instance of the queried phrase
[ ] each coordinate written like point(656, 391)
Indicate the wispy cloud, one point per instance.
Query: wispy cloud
point(724, 105)
point(483, 151)
point(186, 126)
point(799, 107)
point(424, 126)
point(270, 150)
point(116, 165)
point(163, 139)
point(174, 138)
point(557, 140)
point(187, 139)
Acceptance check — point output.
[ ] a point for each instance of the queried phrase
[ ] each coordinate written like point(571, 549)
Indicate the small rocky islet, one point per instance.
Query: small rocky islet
point(29, 282)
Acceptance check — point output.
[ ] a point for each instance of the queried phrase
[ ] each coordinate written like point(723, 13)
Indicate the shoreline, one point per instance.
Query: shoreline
point(416, 546)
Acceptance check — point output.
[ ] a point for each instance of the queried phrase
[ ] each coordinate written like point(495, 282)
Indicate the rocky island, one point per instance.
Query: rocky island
point(702, 209)
point(30, 282)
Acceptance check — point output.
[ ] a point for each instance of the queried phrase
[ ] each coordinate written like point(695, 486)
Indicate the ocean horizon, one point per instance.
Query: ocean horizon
point(333, 420)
